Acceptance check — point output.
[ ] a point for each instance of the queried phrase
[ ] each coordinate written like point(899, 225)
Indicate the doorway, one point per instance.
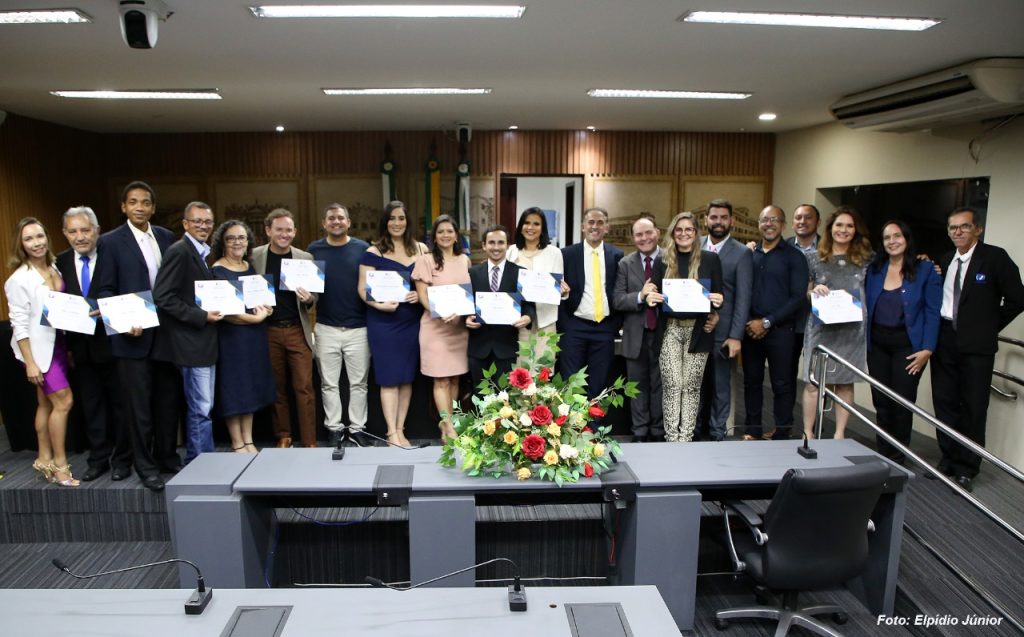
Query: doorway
point(559, 196)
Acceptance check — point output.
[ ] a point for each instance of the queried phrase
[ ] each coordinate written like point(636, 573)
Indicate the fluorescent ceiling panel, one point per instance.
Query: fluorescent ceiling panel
point(658, 94)
point(44, 16)
point(167, 94)
point(388, 11)
point(406, 91)
point(810, 20)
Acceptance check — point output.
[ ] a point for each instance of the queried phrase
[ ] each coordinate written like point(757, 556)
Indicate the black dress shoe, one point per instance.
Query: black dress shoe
point(153, 483)
point(966, 483)
point(120, 473)
point(93, 472)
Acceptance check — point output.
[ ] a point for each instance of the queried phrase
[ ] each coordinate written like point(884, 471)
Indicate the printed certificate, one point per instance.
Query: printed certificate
point(302, 273)
point(387, 286)
point(220, 296)
point(258, 289)
point(540, 287)
point(838, 306)
point(122, 313)
point(68, 312)
point(446, 300)
point(498, 308)
point(687, 295)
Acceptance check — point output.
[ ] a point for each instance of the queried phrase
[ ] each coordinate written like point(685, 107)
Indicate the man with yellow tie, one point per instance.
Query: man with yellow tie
point(586, 320)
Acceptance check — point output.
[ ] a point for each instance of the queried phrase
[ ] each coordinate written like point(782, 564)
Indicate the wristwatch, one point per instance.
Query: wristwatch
point(766, 324)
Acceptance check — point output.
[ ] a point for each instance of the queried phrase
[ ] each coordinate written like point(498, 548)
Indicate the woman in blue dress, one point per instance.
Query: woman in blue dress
point(245, 383)
point(393, 328)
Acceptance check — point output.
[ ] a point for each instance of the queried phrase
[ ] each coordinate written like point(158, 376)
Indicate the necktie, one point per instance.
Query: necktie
point(150, 257)
point(494, 279)
point(651, 318)
point(595, 265)
point(86, 276)
point(956, 291)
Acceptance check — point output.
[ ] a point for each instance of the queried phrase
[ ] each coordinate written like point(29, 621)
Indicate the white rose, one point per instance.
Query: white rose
point(503, 396)
point(525, 420)
point(530, 390)
point(563, 409)
point(568, 451)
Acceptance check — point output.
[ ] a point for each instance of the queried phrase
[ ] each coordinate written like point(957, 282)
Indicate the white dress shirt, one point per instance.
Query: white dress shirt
point(585, 310)
point(947, 285)
point(150, 250)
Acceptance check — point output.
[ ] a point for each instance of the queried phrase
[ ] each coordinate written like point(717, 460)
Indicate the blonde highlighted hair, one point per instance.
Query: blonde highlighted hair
point(18, 255)
point(669, 248)
point(860, 251)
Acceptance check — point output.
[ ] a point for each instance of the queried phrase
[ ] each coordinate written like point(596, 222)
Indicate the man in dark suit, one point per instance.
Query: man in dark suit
point(497, 344)
point(586, 319)
point(737, 276)
point(93, 374)
point(191, 330)
point(639, 324)
point(982, 293)
point(152, 387)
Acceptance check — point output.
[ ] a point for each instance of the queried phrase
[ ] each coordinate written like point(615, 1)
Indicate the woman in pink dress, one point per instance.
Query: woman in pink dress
point(443, 340)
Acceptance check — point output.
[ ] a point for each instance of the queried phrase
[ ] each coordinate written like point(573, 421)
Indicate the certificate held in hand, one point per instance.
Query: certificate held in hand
point(445, 300)
point(540, 287)
point(302, 273)
point(498, 308)
point(68, 312)
point(220, 296)
point(126, 311)
point(838, 306)
point(387, 286)
point(683, 296)
point(258, 289)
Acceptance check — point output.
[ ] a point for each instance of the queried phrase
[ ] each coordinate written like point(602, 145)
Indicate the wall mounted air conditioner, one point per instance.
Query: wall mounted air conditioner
point(970, 92)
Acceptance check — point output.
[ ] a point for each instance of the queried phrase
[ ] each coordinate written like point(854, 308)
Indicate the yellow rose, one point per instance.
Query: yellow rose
point(598, 450)
point(507, 412)
point(577, 418)
point(554, 430)
point(523, 473)
point(489, 428)
point(510, 439)
point(551, 457)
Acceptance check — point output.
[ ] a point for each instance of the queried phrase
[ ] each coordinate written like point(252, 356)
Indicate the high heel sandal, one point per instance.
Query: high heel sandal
point(43, 470)
point(237, 449)
point(447, 431)
point(67, 482)
point(254, 449)
point(394, 437)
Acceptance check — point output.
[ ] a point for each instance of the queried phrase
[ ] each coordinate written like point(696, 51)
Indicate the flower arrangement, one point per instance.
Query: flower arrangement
point(533, 423)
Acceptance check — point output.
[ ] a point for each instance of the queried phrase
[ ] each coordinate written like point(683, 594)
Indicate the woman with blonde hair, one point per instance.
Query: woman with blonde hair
point(683, 340)
point(40, 348)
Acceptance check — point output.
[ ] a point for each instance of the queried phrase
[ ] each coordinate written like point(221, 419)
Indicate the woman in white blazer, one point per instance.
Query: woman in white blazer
point(39, 347)
point(533, 251)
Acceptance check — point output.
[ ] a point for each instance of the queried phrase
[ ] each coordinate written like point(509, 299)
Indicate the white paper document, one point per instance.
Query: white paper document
point(540, 287)
point(220, 296)
point(122, 313)
point(498, 308)
point(257, 289)
point(68, 312)
point(386, 286)
point(302, 273)
point(686, 295)
point(838, 306)
point(446, 300)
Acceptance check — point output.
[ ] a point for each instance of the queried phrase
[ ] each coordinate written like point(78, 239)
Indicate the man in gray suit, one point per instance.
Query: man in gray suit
point(737, 277)
point(632, 285)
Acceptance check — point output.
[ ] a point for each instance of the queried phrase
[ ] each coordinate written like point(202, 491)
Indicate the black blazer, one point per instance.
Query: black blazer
point(500, 340)
point(710, 268)
point(123, 270)
point(194, 340)
point(576, 278)
point(93, 349)
point(991, 297)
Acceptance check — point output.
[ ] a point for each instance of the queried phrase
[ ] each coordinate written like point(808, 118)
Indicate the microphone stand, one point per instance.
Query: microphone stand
point(516, 592)
point(339, 450)
point(194, 605)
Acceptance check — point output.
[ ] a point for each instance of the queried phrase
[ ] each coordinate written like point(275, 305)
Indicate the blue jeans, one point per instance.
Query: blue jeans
point(199, 384)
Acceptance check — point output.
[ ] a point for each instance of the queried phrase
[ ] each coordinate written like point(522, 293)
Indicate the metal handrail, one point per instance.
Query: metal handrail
point(1011, 341)
point(1007, 393)
point(823, 354)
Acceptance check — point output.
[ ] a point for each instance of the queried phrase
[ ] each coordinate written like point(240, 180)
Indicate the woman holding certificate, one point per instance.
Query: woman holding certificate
point(843, 254)
point(689, 281)
point(392, 315)
point(903, 298)
point(444, 339)
point(40, 348)
point(534, 251)
point(245, 381)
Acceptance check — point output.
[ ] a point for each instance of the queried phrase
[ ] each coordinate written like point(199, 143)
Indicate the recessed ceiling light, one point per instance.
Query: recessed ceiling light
point(406, 91)
point(165, 94)
point(513, 127)
point(591, 128)
point(279, 128)
point(658, 94)
point(388, 11)
point(810, 20)
point(767, 117)
point(44, 16)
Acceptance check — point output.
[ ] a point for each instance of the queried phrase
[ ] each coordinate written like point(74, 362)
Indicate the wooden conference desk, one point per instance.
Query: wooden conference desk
point(221, 508)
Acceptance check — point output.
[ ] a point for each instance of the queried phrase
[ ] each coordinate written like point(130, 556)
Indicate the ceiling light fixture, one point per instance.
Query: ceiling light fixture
point(164, 94)
point(810, 20)
point(658, 94)
point(591, 128)
point(513, 127)
point(279, 128)
point(44, 16)
point(406, 91)
point(388, 11)
point(767, 117)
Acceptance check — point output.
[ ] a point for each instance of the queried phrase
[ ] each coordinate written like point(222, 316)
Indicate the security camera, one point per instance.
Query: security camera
point(465, 132)
point(139, 21)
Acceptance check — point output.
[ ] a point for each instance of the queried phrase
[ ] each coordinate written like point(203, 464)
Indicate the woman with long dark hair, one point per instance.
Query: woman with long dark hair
point(904, 295)
point(533, 250)
point(444, 340)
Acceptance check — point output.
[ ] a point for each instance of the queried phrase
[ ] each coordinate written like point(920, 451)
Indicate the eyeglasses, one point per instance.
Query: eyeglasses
point(201, 222)
point(239, 239)
point(686, 230)
point(768, 220)
point(963, 227)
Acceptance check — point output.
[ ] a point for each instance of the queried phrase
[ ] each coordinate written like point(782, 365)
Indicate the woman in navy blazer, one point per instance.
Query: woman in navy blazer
point(904, 295)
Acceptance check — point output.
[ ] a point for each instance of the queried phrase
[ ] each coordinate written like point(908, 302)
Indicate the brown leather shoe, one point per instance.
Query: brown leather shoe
point(284, 443)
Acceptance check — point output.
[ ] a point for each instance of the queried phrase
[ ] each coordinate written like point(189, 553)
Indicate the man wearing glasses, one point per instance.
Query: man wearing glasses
point(981, 295)
point(779, 293)
point(192, 330)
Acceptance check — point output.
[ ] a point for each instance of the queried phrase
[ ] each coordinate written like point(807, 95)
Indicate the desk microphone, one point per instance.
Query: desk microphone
point(806, 451)
point(516, 592)
point(194, 605)
point(339, 450)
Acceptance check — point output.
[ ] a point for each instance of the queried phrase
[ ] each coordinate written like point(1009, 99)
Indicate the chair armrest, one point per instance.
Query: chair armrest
point(749, 517)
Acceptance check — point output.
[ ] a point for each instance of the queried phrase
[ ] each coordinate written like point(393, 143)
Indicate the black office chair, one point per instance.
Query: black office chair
point(814, 535)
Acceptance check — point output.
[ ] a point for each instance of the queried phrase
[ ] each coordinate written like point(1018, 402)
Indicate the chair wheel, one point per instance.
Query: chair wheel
point(721, 624)
point(840, 618)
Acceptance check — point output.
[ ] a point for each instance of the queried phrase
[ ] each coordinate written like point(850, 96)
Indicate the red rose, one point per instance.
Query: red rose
point(520, 378)
point(588, 471)
point(587, 428)
point(544, 375)
point(533, 447)
point(560, 420)
point(596, 411)
point(540, 415)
